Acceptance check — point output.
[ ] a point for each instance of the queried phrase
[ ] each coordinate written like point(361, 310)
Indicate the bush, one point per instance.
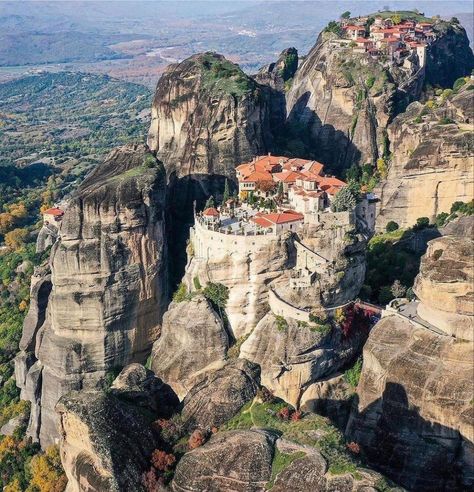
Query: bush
point(162, 460)
point(385, 295)
point(446, 121)
point(352, 375)
point(197, 283)
point(47, 474)
point(391, 226)
point(197, 439)
point(459, 83)
point(281, 323)
point(182, 293)
point(421, 223)
point(441, 219)
point(217, 294)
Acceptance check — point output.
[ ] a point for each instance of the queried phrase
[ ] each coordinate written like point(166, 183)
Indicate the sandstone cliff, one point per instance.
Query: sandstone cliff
point(432, 160)
point(109, 287)
point(193, 341)
point(445, 284)
point(340, 102)
point(414, 416)
point(207, 117)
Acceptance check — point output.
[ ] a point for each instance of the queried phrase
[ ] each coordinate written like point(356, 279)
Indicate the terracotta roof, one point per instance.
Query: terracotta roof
point(363, 40)
point(258, 176)
point(268, 220)
point(211, 212)
point(314, 167)
point(54, 211)
point(287, 176)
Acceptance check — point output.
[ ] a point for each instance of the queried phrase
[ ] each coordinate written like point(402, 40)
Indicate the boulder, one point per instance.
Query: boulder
point(105, 444)
point(293, 358)
point(139, 386)
point(240, 461)
point(193, 341)
point(219, 395)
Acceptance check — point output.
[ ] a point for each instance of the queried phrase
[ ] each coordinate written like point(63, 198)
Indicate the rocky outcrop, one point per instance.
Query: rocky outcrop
point(292, 355)
point(340, 103)
point(242, 461)
point(445, 284)
point(140, 387)
point(414, 415)
point(109, 287)
point(207, 117)
point(218, 396)
point(106, 437)
point(46, 237)
point(247, 272)
point(193, 341)
point(431, 163)
point(105, 445)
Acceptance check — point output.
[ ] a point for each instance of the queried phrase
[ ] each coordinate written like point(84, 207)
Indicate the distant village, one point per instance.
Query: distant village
point(394, 36)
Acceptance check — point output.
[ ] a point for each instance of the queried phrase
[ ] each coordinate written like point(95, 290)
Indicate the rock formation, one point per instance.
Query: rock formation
point(207, 117)
point(219, 395)
point(431, 164)
point(106, 438)
point(414, 414)
point(340, 103)
point(109, 286)
point(294, 357)
point(242, 461)
point(193, 341)
point(445, 285)
point(247, 274)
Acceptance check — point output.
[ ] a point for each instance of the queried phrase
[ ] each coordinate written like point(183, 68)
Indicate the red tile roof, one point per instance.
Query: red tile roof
point(287, 176)
point(211, 212)
point(54, 211)
point(268, 220)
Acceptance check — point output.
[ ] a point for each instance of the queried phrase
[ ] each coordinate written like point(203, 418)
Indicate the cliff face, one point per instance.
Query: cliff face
point(207, 117)
point(341, 103)
point(109, 286)
point(431, 163)
point(414, 416)
point(445, 284)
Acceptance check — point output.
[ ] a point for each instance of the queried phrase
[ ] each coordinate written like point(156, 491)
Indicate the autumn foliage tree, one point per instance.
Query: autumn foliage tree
point(197, 438)
point(47, 474)
point(162, 460)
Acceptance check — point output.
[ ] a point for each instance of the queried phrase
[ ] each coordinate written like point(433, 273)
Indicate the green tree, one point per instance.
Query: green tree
point(344, 200)
point(397, 289)
point(218, 295)
point(396, 18)
point(226, 194)
point(391, 226)
point(421, 223)
point(346, 15)
point(210, 202)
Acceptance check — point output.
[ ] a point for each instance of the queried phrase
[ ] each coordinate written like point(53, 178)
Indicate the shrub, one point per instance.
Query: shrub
point(446, 121)
point(397, 289)
point(281, 323)
point(197, 283)
point(296, 415)
point(421, 223)
point(352, 375)
point(385, 295)
point(217, 294)
point(410, 294)
point(162, 460)
point(391, 226)
point(182, 293)
point(437, 254)
point(353, 447)
point(441, 219)
point(458, 84)
point(284, 413)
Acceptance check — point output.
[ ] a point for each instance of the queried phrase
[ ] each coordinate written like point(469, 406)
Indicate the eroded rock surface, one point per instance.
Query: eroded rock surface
point(414, 416)
point(193, 341)
point(207, 117)
point(218, 396)
point(109, 286)
point(445, 284)
point(431, 163)
point(293, 357)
